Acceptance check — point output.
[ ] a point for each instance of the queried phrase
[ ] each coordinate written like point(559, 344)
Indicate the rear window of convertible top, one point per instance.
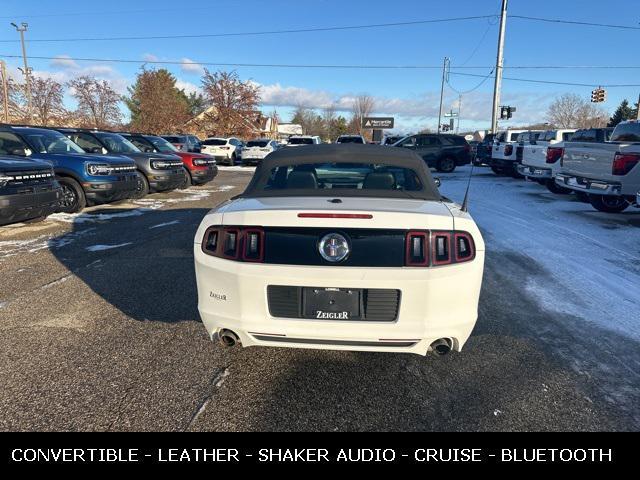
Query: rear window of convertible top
point(341, 178)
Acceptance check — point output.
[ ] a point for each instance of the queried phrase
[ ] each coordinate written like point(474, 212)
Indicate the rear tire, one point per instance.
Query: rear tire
point(446, 165)
point(553, 187)
point(143, 187)
point(73, 197)
point(608, 204)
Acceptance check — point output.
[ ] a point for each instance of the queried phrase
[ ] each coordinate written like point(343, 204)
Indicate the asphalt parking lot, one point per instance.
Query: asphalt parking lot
point(99, 329)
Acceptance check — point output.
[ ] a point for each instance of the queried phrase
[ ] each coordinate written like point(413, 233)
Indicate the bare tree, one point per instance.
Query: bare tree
point(362, 107)
point(17, 101)
point(46, 100)
point(98, 102)
point(233, 104)
point(572, 111)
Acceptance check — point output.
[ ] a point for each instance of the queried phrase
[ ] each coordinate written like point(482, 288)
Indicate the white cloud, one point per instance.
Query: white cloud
point(150, 57)
point(188, 87)
point(64, 62)
point(189, 66)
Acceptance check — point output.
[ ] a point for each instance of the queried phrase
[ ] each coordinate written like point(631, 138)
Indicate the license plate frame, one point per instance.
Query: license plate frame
point(323, 303)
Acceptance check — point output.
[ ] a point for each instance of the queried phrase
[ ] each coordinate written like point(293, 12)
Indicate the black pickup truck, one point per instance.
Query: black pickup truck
point(443, 152)
point(28, 190)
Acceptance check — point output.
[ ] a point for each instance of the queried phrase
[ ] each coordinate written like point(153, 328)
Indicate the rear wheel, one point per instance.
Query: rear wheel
point(73, 198)
point(553, 187)
point(142, 188)
point(446, 165)
point(608, 203)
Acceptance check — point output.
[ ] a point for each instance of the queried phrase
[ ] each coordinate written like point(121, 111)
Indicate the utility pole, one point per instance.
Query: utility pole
point(445, 66)
point(26, 71)
point(638, 109)
point(5, 90)
point(459, 107)
point(499, 62)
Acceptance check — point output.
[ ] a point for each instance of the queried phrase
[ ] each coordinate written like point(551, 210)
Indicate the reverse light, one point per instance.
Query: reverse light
point(554, 154)
point(623, 163)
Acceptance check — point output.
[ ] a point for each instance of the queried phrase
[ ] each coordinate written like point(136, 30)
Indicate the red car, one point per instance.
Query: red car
point(201, 168)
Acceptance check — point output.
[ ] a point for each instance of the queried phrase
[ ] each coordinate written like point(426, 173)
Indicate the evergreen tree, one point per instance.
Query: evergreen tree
point(623, 112)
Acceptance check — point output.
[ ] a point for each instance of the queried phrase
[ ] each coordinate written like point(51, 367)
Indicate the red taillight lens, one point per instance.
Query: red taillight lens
point(441, 248)
point(465, 248)
point(417, 249)
point(253, 244)
point(508, 150)
point(554, 154)
point(624, 162)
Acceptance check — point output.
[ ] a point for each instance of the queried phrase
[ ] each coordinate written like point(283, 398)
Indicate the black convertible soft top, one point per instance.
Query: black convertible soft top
point(343, 153)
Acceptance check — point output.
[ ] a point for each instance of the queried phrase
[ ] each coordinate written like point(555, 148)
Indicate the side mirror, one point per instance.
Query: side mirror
point(438, 181)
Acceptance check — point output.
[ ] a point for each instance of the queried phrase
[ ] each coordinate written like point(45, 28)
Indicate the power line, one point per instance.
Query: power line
point(611, 85)
point(323, 66)
point(575, 22)
point(267, 32)
point(472, 89)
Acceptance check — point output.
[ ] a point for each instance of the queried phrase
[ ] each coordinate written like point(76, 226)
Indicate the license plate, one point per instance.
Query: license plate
point(331, 303)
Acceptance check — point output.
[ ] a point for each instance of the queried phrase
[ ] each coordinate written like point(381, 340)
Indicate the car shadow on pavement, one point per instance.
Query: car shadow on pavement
point(138, 260)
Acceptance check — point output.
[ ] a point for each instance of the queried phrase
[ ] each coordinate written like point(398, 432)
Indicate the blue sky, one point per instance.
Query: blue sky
point(410, 95)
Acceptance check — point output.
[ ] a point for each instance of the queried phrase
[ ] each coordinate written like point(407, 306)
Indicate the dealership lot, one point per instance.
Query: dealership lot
point(99, 328)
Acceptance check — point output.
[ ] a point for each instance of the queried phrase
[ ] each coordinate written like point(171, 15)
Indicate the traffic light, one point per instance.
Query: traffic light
point(599, 95)
point(506, 112)
point(444, 127)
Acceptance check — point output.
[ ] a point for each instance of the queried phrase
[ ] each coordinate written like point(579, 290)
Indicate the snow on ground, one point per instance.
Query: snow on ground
point(165, 224)
point(237, 168)
point(11, 248)
point(100, 248)
point(592, 257)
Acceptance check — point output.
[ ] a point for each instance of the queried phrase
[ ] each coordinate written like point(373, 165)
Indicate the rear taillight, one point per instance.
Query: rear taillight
point(417, 249)
point(554, 154)
point(508, 150)
point(624, 162)
point(244, 244)
point(436, 248)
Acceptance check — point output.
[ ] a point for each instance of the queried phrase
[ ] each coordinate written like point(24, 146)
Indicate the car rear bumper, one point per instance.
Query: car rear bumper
point(26, 206)
point(535, 172)
point(161, 180)
point(502, 163)
point(105, 192)
point(588, 185)
point(437, 302)
point(200, 176)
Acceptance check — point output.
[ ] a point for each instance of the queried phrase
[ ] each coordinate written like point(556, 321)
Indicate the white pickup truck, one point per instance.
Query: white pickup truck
point(503, 152)
point(540, 158)
point(608, 172)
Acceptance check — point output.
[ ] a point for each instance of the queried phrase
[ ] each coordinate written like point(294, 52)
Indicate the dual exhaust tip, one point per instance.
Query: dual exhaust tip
point(440, 347)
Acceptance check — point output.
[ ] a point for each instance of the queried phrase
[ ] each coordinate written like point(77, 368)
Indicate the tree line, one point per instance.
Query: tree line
point(225, 106)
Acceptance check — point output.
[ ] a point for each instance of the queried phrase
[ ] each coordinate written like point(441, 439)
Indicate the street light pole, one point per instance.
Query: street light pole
point(445, 65)
point(26, 71)
point(499, 63)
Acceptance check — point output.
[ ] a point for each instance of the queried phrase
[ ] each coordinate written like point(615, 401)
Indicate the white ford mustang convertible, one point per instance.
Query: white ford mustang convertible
point(344, 247)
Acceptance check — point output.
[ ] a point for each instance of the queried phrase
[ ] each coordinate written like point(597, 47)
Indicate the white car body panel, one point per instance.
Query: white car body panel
point(219, 151)
point(534, 157)
point(436, 302)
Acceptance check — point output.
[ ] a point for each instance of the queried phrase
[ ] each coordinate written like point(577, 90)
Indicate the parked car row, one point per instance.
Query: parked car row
point(45, 170)
point(600, 165)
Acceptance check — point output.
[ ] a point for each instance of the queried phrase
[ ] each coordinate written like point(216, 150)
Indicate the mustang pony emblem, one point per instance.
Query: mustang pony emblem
point(333, 247)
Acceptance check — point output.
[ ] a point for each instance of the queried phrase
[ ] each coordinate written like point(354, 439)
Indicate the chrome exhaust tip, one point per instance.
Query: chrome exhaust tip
point(228, 338)
point(441, 347)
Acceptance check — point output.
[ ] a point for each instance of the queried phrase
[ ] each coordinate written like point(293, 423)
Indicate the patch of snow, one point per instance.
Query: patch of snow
point(497, 412)
point(100, 248)
point(222, 168)
point(166, 224)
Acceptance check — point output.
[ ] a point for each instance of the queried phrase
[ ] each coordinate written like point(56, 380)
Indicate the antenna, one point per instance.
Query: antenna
point(465, 202)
